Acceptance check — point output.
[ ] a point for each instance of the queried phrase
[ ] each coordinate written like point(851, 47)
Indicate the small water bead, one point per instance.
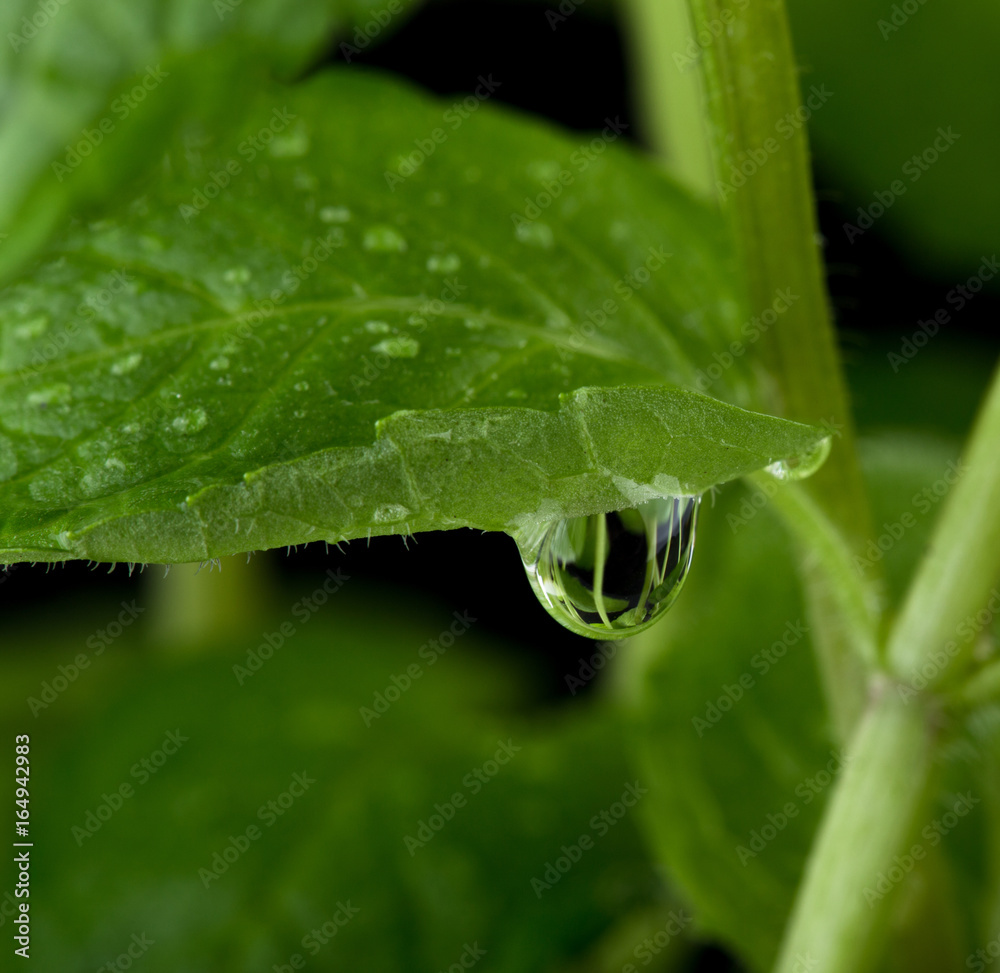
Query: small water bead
point(190, 422)
point(383, 239)
point(237, 275)
point(799, 467)
point(535, 234)
point(612, 575)
point(301, 386)
point(128, 364)
point(377, 327)
point(401, 346)
point(34, 328)
point(335, 214)
point(291, 144)
point(219, 364)
point(446, 263)
point(51, 396)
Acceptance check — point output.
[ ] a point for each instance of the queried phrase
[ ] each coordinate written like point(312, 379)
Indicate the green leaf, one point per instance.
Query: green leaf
point(90, 90)
point(731, 730)
point(377, 774)
point(313, 353)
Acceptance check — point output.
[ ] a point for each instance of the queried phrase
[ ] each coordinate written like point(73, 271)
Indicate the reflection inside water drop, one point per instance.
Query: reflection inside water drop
point(612, 575)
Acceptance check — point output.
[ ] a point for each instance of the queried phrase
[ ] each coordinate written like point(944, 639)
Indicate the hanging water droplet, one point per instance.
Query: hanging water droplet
point(612, 575)
point(799, 467)
point(383, 239)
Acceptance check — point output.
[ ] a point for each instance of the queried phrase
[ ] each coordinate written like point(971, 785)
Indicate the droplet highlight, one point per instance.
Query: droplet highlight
point(799, 467)
point(383, 239)
point(612, 575)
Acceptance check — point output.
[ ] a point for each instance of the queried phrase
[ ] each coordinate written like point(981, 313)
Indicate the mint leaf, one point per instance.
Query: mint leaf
point(295, 332)
point(90, 90)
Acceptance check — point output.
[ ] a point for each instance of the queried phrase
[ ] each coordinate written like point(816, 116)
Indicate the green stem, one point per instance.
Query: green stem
point(843, 607)
point(839, 925)
point(963, 561)
point(669, 89)
point(763, 175)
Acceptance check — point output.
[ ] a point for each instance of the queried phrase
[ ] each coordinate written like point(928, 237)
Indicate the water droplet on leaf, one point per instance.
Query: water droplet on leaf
point(335, 214)
point(799, 467)
point(401, 346)
point(377, 327)
point(383, 239)
point(612, 575)
point(446, 263)
point(34, 328)
point(190, 422)
point(127, 364)
point(50, 396)
point(237, 275)
point(290, 144)
point(535, 234)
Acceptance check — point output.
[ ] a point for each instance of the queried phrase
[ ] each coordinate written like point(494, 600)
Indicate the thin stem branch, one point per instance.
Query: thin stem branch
point(963, 561)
